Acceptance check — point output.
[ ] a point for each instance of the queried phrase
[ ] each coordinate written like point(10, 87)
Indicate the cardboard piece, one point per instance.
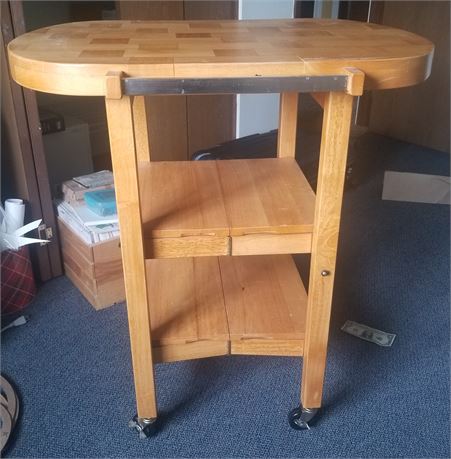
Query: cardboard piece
point(410, 187)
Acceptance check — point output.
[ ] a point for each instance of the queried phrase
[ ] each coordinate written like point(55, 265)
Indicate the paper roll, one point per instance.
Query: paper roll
point(14, 214)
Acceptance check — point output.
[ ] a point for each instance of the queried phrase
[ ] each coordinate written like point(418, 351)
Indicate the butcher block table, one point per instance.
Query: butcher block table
point(206, 245)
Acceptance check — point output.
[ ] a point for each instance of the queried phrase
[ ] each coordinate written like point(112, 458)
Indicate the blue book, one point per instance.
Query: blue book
point(101, 202)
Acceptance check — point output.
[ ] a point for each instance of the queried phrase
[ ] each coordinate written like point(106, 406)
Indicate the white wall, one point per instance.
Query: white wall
point(258, 113)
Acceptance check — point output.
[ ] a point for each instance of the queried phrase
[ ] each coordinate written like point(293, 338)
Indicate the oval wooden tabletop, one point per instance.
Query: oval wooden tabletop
point(74, 58)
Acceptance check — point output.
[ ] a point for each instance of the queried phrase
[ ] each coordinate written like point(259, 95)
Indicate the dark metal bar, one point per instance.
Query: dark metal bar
point(248, 85)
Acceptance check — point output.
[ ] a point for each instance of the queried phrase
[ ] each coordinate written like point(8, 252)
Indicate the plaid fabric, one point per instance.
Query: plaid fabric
point(17, 282)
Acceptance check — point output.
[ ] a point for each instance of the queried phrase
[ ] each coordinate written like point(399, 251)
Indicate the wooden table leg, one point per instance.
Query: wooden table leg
point(329, 196)
point(123, 152)
point(141, 130)
point(288, 118)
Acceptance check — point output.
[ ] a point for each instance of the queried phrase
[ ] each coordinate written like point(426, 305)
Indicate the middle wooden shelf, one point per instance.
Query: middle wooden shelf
point(230, 207)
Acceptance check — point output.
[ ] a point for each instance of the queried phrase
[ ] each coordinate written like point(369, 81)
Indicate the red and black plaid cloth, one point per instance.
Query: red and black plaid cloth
point(17, 282)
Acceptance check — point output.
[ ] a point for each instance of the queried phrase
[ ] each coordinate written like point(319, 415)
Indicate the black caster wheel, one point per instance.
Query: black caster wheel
point(300, 417)
point(144, 426)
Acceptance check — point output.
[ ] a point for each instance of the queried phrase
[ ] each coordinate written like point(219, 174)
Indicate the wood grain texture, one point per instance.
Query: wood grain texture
point(288, 121)
point(32, 131)
point(319, 98)
point(66, 59)
point(187, 246)
point(418, 115)
point(17, 153)
point(271, 244)
point(292, 347)
point(210, 201)
point(329, 194)
point(266, 196)
point(113, 85)
point(209, 306)
point(186, 304)
point(123, 153)
point(155, 10)
point(140, 129)
point(166, 116)
point(168, 125)
point(96, 270)
point(182, 198)
point(189, 351)
point(211, 121)
point(210, 118)
point(264, 297)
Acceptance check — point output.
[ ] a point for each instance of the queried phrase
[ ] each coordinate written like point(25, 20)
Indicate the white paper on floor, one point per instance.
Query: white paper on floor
point(410, 187)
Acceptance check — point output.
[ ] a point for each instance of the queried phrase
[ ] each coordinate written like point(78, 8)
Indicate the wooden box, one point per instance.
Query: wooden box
point(96, 270)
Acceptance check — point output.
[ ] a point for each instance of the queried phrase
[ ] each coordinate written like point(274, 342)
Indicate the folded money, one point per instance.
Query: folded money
point(368, 334)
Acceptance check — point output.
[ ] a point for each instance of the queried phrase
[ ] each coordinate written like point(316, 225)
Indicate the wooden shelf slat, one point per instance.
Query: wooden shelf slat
point(202, 208)
point(210, 306)
point(186, 301)
point(264, 297)
point(181, 198)
point(266, 196)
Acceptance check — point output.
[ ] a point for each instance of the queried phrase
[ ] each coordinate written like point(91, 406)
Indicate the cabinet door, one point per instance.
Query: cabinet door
point(419, 114)
point(182, 125)
point(210, 119)
point(23, 150)
point(166, 115)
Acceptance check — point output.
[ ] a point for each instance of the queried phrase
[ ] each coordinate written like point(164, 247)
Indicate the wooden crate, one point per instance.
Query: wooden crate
point(96, 270)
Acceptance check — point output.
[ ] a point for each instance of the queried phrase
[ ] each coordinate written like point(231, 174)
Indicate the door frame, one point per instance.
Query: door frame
point(47, 258)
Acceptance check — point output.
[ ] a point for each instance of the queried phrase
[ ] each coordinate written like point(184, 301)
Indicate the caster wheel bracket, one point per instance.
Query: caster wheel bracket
point(146, 427)
point(300, 417)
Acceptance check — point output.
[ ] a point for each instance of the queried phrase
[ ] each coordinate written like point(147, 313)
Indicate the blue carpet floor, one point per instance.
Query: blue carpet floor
point(72, 364)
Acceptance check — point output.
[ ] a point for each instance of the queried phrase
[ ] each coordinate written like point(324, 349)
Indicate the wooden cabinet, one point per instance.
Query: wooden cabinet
point(426, 122)
point(180, 126)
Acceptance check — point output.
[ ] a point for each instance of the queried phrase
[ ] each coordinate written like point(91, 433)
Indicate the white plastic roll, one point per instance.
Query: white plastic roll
point(15, 213)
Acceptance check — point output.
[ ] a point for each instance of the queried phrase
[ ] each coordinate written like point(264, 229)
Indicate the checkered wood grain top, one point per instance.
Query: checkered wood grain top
point(74, 58)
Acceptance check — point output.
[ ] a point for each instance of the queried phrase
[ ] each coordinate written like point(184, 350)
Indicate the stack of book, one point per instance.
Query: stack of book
point(88, 225)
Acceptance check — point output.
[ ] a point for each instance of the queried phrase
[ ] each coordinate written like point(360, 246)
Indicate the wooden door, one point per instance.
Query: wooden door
point(23, 151)
point(181, 125)
point(420, 114)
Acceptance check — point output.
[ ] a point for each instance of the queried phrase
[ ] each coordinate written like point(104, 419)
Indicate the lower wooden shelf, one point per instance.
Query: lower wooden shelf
point(210, 306)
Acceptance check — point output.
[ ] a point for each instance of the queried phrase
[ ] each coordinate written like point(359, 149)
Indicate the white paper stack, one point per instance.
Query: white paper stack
point(92, 228)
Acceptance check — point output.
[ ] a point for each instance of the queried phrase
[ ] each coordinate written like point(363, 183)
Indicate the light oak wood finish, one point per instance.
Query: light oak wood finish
point(74, 58)
point(288, 120)
point(319, 98)
point(264, 298)
point(329, 194)
point(225, 208)
point(189, 351)
point(186, 303)
point(113, 85)
point(187, 246)
point(182, 308)
point(266, 196)
point(140, 127)
point(270, 244)
point(96, 270)
point(182, 198)
point(203, 307)
point(180, 126)
point(123, 152)
point(255, 346)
